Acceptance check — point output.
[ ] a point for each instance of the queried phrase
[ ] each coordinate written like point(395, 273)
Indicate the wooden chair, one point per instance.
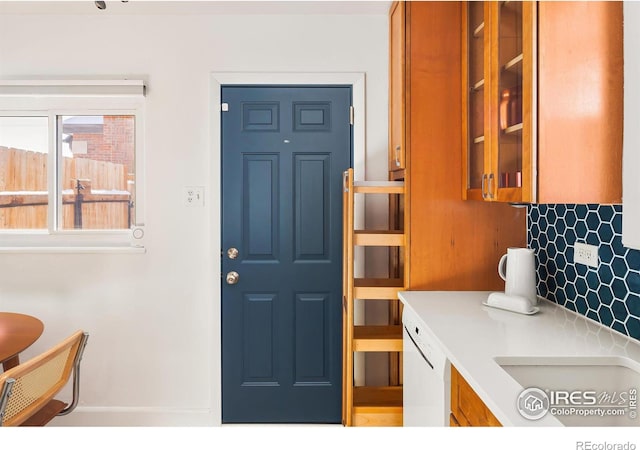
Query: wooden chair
point(27, 390)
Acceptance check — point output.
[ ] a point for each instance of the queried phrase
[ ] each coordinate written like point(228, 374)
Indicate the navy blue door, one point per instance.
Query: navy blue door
point(283, 153)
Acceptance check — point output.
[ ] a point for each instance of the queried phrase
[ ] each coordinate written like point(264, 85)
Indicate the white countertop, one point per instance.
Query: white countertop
point(472, 335)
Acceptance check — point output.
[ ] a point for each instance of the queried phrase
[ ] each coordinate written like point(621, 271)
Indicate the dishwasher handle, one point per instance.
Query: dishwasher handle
point(418, 348)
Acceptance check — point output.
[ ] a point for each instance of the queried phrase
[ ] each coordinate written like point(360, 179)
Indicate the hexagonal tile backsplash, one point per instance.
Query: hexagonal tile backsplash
point(609, 294)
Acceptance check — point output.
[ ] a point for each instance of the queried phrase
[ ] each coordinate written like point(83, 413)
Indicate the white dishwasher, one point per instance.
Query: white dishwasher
point(426, 392)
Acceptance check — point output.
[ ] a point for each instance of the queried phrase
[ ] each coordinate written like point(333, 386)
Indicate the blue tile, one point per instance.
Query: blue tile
point(551, 284)
point(592, 300)
point(581, 286)
point(534, 214)
point(542, 223)
point(616, 244)
point(604, 313)
point(633, 304)
point(551, 216)
point(592, 238)
point(581, 230)
point(605, 252)
point(633, 282)
point(542, 239)
point(606, 213)
point(570, 291)
point(570, 272)
point(560, 258)
point(561, 227)
point(544, 292)
point(581, 305)
point(619, 288)
point(561, 210)
point(619, 266)
point(570, 236)
point(581, 269)
point(551, 234)
point(605, 232)
point(633, 327)
point(605, 274)
point(633, 259)
point(535, 230)
point(593, 220)
point(619, 310)
point(605, 294)
point(570, 219)
point(592, 280)
point(581, 211)
point(617, 223)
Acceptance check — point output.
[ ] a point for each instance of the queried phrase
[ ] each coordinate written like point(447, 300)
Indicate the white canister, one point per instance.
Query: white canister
point(518, 269)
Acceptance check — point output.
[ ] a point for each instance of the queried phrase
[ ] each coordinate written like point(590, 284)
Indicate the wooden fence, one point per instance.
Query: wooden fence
point(104, 200)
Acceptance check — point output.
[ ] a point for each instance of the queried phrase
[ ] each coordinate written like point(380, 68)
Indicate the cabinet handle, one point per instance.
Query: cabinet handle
point(484, 185)
point(398, 148)
point(490, 185)
point(345, 177)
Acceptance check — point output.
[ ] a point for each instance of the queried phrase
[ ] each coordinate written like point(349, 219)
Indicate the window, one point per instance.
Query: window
point(69, 166)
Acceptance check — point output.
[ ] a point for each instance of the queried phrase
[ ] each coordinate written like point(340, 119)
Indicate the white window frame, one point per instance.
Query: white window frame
point(52, 99)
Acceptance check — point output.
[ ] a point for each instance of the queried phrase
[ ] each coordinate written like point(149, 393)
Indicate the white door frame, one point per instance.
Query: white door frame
point(357, 82)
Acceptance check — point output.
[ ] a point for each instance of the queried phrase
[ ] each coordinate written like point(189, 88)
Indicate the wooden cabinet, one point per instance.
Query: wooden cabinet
point(453, 244)
point(467, 409)
point(542, 101)
point(397, 65)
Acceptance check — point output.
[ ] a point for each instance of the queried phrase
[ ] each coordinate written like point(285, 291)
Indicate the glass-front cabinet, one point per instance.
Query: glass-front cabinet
point(498, 77)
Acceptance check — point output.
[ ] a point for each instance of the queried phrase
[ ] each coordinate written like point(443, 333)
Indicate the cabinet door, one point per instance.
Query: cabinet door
point(512, 105)
point(476, 50)
point(397, 59)
point(499, 79)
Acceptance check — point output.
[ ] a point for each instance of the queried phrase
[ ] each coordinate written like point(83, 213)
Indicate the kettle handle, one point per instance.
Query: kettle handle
point(502, 267)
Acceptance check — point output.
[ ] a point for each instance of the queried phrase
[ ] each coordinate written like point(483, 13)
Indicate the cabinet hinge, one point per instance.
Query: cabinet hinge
point(351, 115)
point(224, 107)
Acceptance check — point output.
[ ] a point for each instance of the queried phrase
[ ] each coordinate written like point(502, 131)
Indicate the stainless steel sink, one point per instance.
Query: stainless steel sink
point(580, 391)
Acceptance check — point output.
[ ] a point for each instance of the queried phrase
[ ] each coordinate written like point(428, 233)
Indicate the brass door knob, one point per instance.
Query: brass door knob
point(232, 277)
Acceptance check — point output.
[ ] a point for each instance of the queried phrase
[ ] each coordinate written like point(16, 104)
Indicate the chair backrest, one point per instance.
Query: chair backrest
point(30, 386)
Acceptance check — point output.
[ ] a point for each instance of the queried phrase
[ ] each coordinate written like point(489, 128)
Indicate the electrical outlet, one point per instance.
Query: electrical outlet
point(585, 254)
point(194, 196)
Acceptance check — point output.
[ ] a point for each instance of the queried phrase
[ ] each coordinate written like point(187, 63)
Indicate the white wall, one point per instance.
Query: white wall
point(153, 354)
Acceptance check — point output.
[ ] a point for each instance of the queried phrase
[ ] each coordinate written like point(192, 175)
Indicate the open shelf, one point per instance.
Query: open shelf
point(369, 405)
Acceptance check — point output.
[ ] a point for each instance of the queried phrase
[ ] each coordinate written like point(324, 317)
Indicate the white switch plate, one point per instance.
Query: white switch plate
point(194, 196)
point(585, 254)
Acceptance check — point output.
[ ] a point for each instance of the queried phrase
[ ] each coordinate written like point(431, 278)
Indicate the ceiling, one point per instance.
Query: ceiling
point(218, 7)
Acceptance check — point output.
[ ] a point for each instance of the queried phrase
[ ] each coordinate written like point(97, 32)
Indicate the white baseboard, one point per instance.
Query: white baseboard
point(136, 417)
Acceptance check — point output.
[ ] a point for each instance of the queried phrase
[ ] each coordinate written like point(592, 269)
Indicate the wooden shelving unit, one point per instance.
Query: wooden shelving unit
point(370, 405)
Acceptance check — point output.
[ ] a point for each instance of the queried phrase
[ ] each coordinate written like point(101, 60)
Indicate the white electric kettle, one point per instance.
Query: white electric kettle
point(517, 269)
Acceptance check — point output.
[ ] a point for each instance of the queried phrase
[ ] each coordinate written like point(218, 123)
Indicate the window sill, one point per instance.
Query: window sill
point(85, 250)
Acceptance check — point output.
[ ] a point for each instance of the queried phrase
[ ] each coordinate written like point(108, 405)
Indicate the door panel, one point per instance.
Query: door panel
point(283, 153)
